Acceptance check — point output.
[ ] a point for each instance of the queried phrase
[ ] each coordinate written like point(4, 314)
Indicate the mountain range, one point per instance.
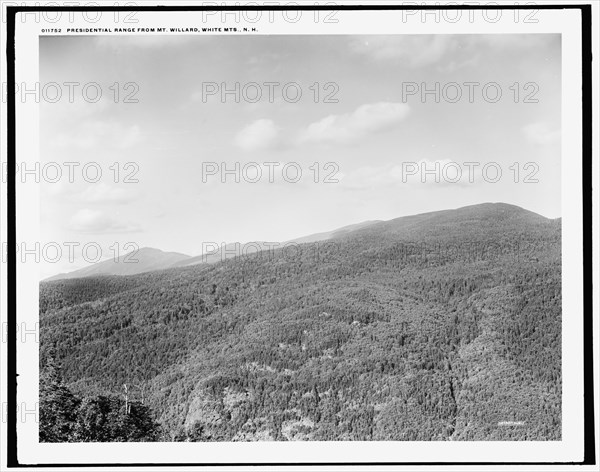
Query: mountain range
point(439, 326)
point(147, 259)
point(142, 260)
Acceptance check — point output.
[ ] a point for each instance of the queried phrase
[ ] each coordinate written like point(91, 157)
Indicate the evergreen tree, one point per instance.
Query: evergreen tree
point(58, 406)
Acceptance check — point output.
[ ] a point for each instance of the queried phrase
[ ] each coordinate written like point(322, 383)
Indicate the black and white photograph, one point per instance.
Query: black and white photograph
point(292, 234)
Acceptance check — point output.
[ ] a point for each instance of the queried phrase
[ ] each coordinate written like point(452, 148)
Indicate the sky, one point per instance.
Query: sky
point(361, 129)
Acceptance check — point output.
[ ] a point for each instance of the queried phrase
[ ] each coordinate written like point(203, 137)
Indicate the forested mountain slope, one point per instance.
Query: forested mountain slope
point(141, 260)
point(232, 250)
point(441, 326)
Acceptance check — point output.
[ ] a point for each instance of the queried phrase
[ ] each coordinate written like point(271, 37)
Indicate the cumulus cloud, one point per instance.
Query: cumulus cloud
point(540, 133)
point(258, 135)
point(366, 119)
point(413, 50)
point(514, 41)
point(98, 222)
point(438, 172)
point(90, 193)
point(444, 51)
point(74, 140)
point(94, 133)
point(104, 193)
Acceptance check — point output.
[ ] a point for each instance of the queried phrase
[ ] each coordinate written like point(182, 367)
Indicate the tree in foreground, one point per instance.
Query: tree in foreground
point(64, 417)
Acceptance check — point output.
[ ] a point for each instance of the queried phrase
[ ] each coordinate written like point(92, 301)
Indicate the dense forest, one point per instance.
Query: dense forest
point(442, 326)
point(65, 417)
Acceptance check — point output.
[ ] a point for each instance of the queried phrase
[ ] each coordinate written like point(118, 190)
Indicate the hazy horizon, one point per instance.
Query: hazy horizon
point(210, 247)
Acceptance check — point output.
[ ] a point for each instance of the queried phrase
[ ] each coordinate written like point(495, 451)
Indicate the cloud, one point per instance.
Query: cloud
point(95, 133)
point(145, 41)
point(75, 110)
point(518, 42)
point(260, 134)
point(540, 133)
point(92, 193)
point(413, 50)
point(129, 137)
point(76, 140)
point(97, 222)
point(348, 127)
point(438, 172)
point(447, 52)
point(103, 193)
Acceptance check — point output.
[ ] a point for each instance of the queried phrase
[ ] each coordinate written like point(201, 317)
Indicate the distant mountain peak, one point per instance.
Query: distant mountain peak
point(135, 262)
point(497, 214)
